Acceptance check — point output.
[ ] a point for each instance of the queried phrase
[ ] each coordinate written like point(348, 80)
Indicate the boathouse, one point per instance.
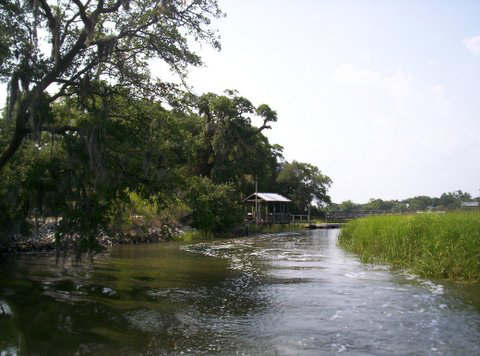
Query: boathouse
point(267, 208)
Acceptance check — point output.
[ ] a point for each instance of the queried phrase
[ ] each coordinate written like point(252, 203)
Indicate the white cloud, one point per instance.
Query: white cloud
point(366, 56)
point(353, 75)
point(393, 93)
point(399, 85)
point(473, 45)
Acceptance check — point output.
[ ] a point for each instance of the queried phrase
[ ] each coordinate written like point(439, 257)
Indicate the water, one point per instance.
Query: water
point(286, 294)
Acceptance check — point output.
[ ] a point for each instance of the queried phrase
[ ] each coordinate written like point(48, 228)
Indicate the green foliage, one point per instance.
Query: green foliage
point(214, 206)
point(80, 228)
point(303, 183)
point(431, 245)
point(192, 236)
point(118, 156)
point(146, 208)
point(420, 203)
point(228, 147)
point(86, 136)
point(447, 201)
point(79, 48)
point(346, 205)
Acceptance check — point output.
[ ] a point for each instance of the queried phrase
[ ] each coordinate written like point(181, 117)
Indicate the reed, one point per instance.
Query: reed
point(443, 246)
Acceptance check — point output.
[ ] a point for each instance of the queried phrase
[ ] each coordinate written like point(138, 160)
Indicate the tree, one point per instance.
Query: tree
point(379, 204)
point(229, 149)
point(121, 144)
point(303, 183)
point(419, 203)
point(454, 199)
point(347, 205)
point(90, 41)
point(214, 206)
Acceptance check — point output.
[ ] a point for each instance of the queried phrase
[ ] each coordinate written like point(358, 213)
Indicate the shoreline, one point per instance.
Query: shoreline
point(42, 241)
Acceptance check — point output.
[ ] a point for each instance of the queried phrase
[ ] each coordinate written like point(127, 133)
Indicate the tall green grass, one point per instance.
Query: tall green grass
point(444, 246)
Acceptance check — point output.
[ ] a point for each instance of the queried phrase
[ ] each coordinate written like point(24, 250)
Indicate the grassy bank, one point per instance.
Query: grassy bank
point(431, 245)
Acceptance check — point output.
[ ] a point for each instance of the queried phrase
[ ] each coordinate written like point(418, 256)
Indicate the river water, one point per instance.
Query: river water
point(282, 294)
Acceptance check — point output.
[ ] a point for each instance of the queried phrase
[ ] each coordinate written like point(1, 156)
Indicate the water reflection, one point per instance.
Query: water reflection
point(284, 294)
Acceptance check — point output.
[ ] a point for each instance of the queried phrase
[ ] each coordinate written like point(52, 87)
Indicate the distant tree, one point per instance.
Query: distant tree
point(453, 200)
point(419, 203)
point(304, 184)
point(347, 205)
point(379, 204)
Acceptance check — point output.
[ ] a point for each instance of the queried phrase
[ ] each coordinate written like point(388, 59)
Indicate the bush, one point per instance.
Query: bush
point(214, 206)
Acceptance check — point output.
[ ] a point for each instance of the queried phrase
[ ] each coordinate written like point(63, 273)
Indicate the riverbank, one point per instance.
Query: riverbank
point(442, 246)
point(42, 237)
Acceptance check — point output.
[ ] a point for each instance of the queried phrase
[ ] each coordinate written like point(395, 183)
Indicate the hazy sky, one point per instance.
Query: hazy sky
point(383, 96)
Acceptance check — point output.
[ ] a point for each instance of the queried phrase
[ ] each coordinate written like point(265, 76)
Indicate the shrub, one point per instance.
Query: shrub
point(214, 206)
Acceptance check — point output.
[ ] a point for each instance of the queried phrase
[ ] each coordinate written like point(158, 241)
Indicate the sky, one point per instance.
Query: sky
point(382, 96)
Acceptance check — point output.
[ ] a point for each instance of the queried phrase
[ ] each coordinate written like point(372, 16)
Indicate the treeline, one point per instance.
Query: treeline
point(112, 156)
point(91, 137)
point(447, 201)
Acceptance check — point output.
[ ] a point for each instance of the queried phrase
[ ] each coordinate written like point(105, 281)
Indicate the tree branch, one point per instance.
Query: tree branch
point(263, 127)
point(83, 14)
point(108, 10)
point(48, 13)
point(19, 133)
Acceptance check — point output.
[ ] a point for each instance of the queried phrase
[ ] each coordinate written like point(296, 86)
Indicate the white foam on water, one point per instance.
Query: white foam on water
point(355, 275)
point(11, 351)
point(337, 315)
point(5, 309)
point(434, 288)
point(108, 291)
point(339, 348)
point(410, 277)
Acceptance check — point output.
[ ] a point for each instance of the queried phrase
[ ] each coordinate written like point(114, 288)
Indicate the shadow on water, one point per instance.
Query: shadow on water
point(284, 294)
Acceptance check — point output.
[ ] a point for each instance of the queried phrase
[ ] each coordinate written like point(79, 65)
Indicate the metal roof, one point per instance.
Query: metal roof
point(268, 197)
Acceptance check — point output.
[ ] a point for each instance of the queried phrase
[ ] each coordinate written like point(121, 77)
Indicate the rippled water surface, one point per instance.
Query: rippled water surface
point(286, 294)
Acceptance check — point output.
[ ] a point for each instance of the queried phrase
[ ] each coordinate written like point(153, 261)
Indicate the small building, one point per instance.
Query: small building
point(470, 204)
point(268, 208)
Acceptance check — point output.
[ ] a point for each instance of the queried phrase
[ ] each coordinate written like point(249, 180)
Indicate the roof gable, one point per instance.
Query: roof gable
point(268, 197)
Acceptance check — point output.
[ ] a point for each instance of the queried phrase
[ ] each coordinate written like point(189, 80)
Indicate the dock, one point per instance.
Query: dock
point(325, 226)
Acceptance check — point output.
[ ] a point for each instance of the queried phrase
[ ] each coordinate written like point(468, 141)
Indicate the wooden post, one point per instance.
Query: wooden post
point(266, 212)
point(256, 202)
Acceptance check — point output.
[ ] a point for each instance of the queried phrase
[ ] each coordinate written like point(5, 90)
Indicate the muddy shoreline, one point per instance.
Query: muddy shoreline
point(42, 239)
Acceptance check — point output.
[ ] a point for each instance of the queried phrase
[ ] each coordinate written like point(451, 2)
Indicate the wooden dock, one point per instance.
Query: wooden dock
point(324, 226)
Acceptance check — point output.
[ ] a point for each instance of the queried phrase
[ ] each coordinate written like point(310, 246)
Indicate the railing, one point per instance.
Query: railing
point(271, 218)
point(299, 218)
point(345, 215)
point(278, 218)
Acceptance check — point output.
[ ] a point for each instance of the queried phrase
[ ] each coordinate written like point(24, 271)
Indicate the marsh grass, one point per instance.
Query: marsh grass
point(445, 246)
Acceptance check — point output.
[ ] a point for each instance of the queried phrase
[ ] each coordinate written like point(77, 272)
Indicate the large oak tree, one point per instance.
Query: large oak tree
point(55, 49)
